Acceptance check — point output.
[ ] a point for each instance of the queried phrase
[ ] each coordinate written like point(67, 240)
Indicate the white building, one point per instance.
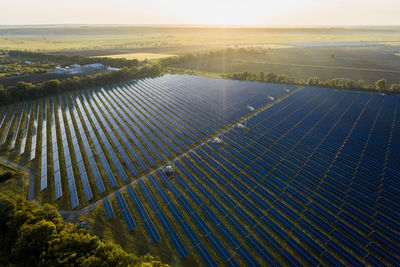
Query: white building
point(80, 69)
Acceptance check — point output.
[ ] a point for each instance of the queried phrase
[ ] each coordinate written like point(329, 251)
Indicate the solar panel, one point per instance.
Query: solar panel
point(16, 130)
point(87, 149)
point(125, 211)
point(70, 173)
point(103, 160)
point(178, 244)
point(8, 126)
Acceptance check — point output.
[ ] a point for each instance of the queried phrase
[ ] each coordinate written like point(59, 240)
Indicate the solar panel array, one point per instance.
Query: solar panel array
point(25, 132)
point(291, 188)
point(311, 180)
point(125, 130)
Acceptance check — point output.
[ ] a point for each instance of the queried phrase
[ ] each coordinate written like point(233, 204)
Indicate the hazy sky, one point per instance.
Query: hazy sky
point(232, 12)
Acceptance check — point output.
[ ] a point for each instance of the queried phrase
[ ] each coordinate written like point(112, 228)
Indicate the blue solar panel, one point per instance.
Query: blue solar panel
point(218, 247)
point(108, 209)
point(178, 244)
point(259, 249)
point(305, 168)
point(34, 132)
point(16, 130)
point(206, 256)
point(9, 123)
point(191, 235)
point(104, 163)
point(70, 175)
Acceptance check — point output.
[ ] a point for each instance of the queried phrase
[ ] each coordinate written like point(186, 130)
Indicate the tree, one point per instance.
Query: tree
point(34, 235)
point(313, 81)
point(395, 87)
point(260, 76)
point(381, 84)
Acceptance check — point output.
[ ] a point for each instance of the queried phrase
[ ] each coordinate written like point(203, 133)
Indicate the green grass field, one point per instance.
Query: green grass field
point(70, 38)
point(357, 63)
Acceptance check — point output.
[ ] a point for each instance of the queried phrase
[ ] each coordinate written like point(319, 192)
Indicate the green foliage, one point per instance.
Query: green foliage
point(34, 235)
point(381, 84)
point(336, 83)
point(78, 59)
point(26, 91)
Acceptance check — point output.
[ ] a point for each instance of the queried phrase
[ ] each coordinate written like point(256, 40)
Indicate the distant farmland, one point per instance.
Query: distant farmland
point(139, 56)
point(297, 176)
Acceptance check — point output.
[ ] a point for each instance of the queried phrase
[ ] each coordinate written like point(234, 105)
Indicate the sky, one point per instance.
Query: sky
point(208, 12)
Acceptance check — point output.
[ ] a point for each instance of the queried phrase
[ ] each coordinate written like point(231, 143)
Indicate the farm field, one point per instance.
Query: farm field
point(140, 56)
point(326, 52)
point(309, 176)
point(72, 38)
point(369, 63)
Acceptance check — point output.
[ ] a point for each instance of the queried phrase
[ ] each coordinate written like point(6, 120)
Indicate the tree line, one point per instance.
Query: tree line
point(336, 83)
point(26, 91)
point(34, 235)
point(380, 85)
point(76, 59)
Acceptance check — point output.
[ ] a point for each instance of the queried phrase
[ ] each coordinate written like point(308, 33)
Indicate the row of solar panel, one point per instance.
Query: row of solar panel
point(325, 203)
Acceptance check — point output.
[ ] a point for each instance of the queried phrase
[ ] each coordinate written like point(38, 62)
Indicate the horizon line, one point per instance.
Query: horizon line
point(166, 25)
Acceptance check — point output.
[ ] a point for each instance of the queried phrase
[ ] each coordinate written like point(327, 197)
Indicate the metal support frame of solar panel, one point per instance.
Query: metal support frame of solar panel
point(125, 211)
point(137, 140)
point(97, 146)
point(26, 128)
point(148, 224)
point(127, 107)
point(127, 160)
point(86, 146)
point(54, 146)
point(16, 130)
point(9, 123)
